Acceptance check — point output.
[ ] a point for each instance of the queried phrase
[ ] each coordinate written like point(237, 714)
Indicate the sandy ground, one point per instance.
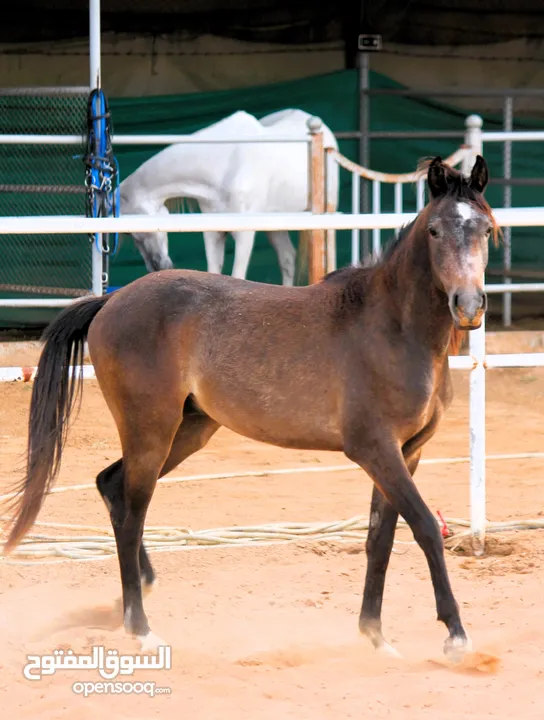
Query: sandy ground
point(271, 632)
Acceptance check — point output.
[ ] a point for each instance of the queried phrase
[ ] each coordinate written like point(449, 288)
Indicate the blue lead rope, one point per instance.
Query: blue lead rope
point(102, 175)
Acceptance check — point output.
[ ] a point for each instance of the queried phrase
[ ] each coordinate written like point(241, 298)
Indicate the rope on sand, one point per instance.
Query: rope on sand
point(95, 543)
point(98, 543)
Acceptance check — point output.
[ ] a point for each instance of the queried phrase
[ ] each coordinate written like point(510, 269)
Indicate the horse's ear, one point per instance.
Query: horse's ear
point(436, 178)
point(479, 177)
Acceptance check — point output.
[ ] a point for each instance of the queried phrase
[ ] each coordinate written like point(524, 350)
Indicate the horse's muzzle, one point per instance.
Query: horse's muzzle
point(468, 308)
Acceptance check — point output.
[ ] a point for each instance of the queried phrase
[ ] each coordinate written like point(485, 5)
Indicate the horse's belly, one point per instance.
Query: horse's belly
point(290, 420)
point(285, 437)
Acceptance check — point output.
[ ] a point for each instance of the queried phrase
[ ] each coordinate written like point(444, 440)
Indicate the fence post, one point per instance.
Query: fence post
point(95, 82)
point(317, 264)
point(330, 207)
point(355, 209)
point(473, 138)
point(508, 115)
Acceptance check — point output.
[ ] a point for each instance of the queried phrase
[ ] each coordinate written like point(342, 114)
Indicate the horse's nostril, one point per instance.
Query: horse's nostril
point(456, 300)
point(483, 302)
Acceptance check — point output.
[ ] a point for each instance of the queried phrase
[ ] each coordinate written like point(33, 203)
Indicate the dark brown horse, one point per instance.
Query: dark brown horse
point(357, 363)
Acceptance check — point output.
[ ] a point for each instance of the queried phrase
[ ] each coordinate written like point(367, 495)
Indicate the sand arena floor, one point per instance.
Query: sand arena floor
point(271, 632)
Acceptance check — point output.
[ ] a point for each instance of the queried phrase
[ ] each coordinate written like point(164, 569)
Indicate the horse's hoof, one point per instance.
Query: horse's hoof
point(456, 647)
point(150, 642)
point(374, 633)
point(387, 649)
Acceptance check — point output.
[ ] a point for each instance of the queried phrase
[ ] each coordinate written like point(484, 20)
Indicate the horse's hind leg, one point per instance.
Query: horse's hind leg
point(193, 433)
point(379, 544)
point(144, 454)
point(285, 250)
point(214, 246)
point(243, 247)
point(110, 484)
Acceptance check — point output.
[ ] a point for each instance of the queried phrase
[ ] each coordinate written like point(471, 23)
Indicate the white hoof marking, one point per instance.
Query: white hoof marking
point(151, 642)
point(457, 647)
point(387, 649)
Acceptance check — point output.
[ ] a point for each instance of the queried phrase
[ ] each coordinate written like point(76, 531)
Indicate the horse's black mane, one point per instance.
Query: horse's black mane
point(345, 273)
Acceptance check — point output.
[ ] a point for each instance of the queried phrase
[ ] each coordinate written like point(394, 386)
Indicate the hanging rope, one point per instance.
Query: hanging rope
point(102, 172)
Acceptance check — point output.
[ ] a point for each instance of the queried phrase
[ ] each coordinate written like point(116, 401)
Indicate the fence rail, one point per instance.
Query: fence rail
point(318, 221)
point(196, 222)
point(22, 139)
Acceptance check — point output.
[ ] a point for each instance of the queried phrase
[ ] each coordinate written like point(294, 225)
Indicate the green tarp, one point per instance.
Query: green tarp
point(334, 98)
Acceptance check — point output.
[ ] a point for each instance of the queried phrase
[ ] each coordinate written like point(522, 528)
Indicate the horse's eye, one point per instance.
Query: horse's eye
point(488, 232)
point(433, 232)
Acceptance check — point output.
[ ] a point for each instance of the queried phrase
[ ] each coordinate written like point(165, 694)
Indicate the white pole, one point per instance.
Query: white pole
point(507, 202)
point(233, 222)
point(376, 209)
point(168, 139)
point(473, 138)
point(95, 82)
point(94, 44)
point(355, 209)
point(477, 441)
point(420, 195)
point(398, 198)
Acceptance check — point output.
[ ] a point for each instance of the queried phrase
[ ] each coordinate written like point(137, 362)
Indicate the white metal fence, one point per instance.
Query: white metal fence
point(476, 361)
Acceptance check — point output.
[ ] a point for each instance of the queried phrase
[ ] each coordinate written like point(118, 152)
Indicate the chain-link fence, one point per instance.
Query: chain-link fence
point(43, 179)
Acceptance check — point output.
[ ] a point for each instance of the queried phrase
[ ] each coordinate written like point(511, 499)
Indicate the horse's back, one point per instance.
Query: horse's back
point(293, 121)
point(232, 177)
point(231, 126)
point(189, 169)
point(168, 302)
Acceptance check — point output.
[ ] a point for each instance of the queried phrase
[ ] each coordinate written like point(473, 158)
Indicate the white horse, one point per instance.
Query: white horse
point(230, 178)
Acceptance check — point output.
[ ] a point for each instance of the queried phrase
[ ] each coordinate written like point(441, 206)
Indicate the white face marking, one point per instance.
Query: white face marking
point(465, 211)
point(472, 268)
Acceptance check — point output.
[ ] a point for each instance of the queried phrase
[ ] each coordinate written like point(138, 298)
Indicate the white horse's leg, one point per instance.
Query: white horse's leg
point(243, 247)
point(285, 250)
point(214, 244)
point(331, 250)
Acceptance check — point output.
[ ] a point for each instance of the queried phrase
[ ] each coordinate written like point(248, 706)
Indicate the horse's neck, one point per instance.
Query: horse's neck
point(422, 310)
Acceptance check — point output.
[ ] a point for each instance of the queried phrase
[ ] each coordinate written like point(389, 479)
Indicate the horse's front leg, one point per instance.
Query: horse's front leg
point(382, 459)
point(379, 544)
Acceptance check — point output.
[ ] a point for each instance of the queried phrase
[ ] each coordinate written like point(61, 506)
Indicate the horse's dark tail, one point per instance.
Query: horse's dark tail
point(56, 390)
